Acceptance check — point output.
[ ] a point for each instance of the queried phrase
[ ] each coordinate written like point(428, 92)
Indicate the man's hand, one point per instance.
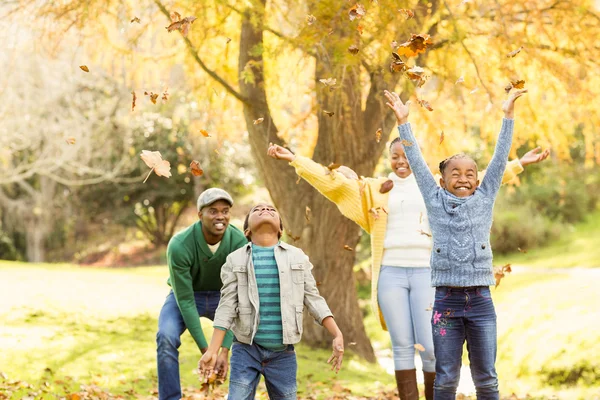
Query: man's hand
point(534, 156)
point(280, 153)
point(400, 109)
point(509, 105)
point(206, 365)
point(222, 364)
point(338, 353)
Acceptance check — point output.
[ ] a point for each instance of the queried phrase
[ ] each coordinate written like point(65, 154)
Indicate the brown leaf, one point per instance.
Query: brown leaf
point(422, 232)
point(407, 13)
point(307, 214)
point(514, 52)
point(359, 28)
point(204, 133)
point(182, 25)
point(133, 100)
point(196, 169)
point(508, 88)
point(398, 66)
point(165, 95)
point(346, 247)
point(419, 347)
point(425, 104)
point(441, 137)
point(153, 159)
point(135, 19)
point(384, 209)
point(258, 121)
point(353, 49)
point(378, 135)
point(386, 186)
point(84, 68)
point(516, 84)
point(153, 96)
point(310, 19)
point(75, 396)
point(330, 113)
point(228, 40)
point(357, 12)
point(415, 45)
point(70, 140)
point(290, 234)
point(417, 75)
point(406, 143)
point(331, 167)
point(174, 16)
point(499, 273)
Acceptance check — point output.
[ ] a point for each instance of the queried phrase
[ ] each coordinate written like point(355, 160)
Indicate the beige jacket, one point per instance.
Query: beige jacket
point(238, 309)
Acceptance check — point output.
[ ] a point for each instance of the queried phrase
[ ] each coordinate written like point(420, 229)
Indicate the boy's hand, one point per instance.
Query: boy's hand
point(400, 109)
point(534, 156)
point(222, 364)
point(338, 354)
point(207, 363)
point(509, 105)
point(280, 153)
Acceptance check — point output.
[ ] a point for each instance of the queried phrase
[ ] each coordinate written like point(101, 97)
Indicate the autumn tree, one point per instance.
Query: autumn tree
point(285, 49)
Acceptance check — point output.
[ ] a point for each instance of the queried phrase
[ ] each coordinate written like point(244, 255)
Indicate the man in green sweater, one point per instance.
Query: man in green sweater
point(195, 257)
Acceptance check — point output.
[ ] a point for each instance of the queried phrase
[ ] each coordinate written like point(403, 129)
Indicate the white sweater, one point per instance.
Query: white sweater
point(404, 244)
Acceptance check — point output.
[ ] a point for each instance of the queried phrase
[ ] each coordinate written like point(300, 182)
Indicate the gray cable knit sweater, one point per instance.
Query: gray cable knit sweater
point(461, 254)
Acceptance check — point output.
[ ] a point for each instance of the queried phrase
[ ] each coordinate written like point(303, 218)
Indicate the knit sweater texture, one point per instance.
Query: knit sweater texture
point(462, 255)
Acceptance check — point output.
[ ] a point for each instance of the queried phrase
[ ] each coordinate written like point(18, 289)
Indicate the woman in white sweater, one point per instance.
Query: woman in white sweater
point(400, 245)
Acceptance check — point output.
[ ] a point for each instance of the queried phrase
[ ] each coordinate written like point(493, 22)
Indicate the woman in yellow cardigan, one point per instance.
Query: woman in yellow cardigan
point(393, 212)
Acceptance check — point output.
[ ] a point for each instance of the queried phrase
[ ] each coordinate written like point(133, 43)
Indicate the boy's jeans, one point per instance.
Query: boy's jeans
point(168, 340)
point(459, 314)
point(248, 362)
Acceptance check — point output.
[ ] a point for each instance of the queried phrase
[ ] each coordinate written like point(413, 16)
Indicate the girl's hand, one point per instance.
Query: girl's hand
point(280, 153)
point(400, 109)
point(509, 105)
point(534, 156)
point(207, 363)
point(338, 354)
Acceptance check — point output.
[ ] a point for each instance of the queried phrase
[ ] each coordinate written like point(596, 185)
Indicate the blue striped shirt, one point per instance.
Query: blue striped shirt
point(270, 330)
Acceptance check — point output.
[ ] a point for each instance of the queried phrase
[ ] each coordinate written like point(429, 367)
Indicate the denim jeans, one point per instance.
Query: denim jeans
point(461, 314)
point(248, 362)
point(168, 340)
point(405, 297)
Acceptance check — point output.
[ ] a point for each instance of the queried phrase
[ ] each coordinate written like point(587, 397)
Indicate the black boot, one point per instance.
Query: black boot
point(407, 384)
point(429, 378)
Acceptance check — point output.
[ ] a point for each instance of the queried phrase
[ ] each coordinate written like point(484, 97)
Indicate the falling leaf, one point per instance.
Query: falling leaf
point(475, 90)
point(353, 49)
point(407, 13)
point(153, 159)
point(384, 209)
point(328, 82)
point(425, 104)
point(394, 45)
point(460, 80)
point(153, 96)
point(135, 19)
point(295, 238)
point(165, 95)
point(174, 16)
point(310, 19)
point(258, 121)
point(422, 232)
point(415, 45)
point(514, 52)
point(419, 347)
point(181, 25)
point(508, 88)
point(330, 113)
point(522, 250)
point(516, 84)
point(378, 135)
point(441, 137)
point(75, 396)
point(346, 247)
point(397, 64)
point(499, 273)
point(332, 167)
point(406, 143)
point(133, 100)
point(70, 140)
point(417, 74)
point(84, 68)
point(359, 28)
point(307, 214)
point(204, 133)
point(357, 12)
point(228, 40)
point(196, 169)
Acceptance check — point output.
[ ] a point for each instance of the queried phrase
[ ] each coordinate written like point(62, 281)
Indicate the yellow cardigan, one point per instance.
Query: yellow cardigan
point(355, 198)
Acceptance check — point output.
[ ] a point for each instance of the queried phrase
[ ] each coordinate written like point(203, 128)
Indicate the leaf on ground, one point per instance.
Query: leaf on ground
point(514, 52)
point(419, 347)
point(84, 68)
point(407, 13)
point(153, 159)
point(357, 12)
point(346, 247)
point(416, 45)
point(307, 214)
point(135, 19)
point(353, 49)
point(70, 140)
point(310, 19)
point(329, 113)
point(196, 169)
point(425, 104)
point(134, 98)
point(378, 135)
point(258, 121)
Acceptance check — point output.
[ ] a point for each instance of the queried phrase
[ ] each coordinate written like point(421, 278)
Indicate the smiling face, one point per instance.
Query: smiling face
point(398, 161)
point(263, 215)
point(215, 219)
point(459, 177)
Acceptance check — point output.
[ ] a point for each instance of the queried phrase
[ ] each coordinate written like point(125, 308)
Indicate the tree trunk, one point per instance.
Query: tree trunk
point(35, 235)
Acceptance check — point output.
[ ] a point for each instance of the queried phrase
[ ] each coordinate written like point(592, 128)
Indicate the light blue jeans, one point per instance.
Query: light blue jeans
point(405, 297)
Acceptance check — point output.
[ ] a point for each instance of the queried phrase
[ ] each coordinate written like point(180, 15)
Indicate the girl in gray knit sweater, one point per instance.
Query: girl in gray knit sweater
point(460, 218)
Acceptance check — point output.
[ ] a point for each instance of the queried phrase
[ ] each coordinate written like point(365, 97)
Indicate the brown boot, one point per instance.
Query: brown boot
point(407, 384)
point(429, 378)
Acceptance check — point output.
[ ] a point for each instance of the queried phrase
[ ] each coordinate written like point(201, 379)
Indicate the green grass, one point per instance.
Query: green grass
point(578, 247)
